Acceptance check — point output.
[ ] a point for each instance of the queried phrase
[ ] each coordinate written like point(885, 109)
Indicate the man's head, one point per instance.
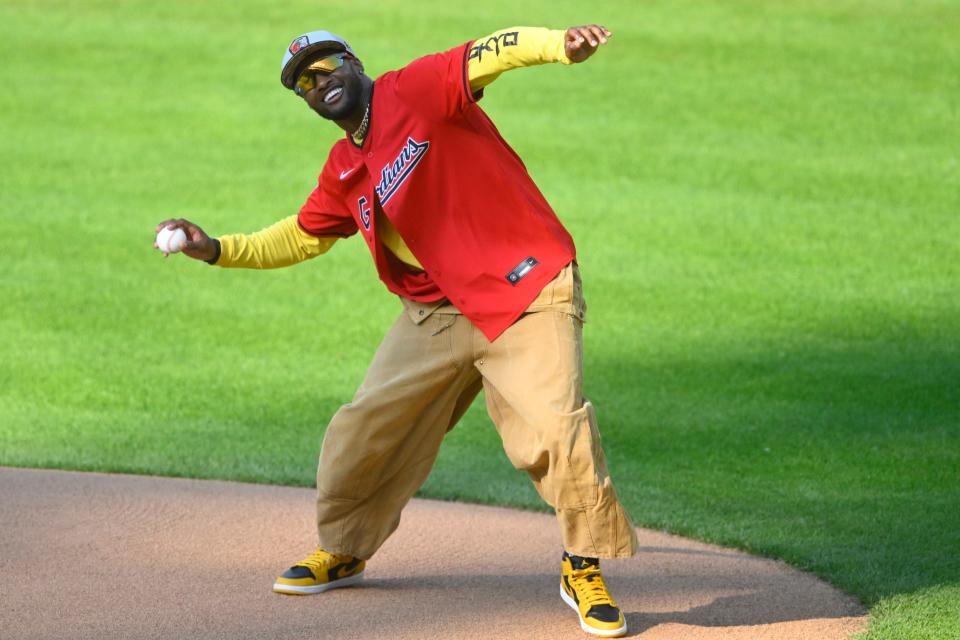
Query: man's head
point(322, 69)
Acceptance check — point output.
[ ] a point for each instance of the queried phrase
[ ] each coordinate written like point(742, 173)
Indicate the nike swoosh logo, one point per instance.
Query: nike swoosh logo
point(348, 568)
point(344, 174)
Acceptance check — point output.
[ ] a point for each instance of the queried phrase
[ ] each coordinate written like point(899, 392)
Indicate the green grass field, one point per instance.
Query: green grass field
point(766, 199)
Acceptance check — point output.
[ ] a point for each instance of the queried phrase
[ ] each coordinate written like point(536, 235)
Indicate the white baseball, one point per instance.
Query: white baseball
point(171, 240)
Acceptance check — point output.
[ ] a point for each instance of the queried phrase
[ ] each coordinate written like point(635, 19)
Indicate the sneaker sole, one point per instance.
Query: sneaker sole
point(606, 633)
point(293, 590)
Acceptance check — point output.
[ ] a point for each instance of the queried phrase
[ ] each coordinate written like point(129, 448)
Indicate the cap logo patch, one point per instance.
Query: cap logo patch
point(298, 44)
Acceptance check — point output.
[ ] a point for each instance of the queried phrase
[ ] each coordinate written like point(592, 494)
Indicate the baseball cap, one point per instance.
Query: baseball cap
point(303, 47)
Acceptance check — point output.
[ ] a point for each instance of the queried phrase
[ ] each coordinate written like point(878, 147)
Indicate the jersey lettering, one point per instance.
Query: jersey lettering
point(394, 174)
point(364, 212)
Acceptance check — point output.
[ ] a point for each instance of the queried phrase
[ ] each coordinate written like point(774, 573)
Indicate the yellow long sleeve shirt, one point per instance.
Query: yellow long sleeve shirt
point(284, 243)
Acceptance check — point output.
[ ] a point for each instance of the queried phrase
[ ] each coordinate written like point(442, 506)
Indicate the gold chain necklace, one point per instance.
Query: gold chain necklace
point(361, 131)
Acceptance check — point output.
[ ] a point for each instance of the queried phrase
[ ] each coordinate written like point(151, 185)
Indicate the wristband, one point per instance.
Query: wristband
point(216, 252)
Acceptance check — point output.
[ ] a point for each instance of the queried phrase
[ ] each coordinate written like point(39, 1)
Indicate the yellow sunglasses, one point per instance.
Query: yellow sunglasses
point(307, 80)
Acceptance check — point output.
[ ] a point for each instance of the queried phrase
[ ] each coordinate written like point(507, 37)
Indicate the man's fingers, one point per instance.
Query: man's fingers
point(586, 38)
point(593, 34)
point(590, 37)
point(576, 35)
point(193, 231)
point(599, 33)
point(582, 42)
point(186, 225)
point(164, 224)
point(174, 223)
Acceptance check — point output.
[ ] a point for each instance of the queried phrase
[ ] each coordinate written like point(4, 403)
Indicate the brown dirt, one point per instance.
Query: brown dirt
point(86, 555)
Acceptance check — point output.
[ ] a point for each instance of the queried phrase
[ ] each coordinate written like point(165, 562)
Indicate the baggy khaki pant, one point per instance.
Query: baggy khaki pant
point(379, 449)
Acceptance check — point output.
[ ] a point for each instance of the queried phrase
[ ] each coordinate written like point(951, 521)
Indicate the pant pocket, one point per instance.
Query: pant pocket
point(576, 465)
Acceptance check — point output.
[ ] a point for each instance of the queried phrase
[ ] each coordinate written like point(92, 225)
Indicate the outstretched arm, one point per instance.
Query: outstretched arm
point(528, 46)
point(279, 245)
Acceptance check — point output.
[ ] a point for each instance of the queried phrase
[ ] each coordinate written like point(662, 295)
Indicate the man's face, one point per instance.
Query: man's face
point(336, 95)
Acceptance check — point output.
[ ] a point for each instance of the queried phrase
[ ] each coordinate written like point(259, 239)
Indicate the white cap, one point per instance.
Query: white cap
point(303, 47)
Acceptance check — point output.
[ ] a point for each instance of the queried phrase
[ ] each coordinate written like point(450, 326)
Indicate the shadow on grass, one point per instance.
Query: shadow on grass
point(842, 458)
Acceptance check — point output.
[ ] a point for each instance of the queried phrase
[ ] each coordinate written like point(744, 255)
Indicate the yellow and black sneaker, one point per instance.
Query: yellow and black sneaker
point(582, 587)
point(318, 572)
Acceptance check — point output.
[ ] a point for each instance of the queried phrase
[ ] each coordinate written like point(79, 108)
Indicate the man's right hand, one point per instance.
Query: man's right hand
point(199, 245)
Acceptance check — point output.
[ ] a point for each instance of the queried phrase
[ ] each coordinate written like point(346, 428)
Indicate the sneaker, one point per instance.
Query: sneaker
point(582, 587)
point(318, 572)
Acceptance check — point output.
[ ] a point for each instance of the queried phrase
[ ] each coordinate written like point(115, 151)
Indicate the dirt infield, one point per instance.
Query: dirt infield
point(86, 555)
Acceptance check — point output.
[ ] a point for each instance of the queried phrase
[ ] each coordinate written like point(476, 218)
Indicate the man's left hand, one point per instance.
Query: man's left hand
point(582, 42)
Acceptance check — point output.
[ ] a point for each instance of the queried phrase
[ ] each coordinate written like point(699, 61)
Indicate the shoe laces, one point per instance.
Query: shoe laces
point(591, 590)
point(319, 559)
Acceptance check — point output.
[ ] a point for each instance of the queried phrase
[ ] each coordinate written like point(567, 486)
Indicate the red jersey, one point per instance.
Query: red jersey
point(456, 192)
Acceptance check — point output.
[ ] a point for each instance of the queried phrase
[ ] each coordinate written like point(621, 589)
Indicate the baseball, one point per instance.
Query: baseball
point(171, 240)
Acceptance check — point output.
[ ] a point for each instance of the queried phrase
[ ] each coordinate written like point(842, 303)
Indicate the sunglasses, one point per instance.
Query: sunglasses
point(325, 66)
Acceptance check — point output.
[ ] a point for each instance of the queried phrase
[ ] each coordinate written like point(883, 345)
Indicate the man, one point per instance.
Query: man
point(491, 294)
